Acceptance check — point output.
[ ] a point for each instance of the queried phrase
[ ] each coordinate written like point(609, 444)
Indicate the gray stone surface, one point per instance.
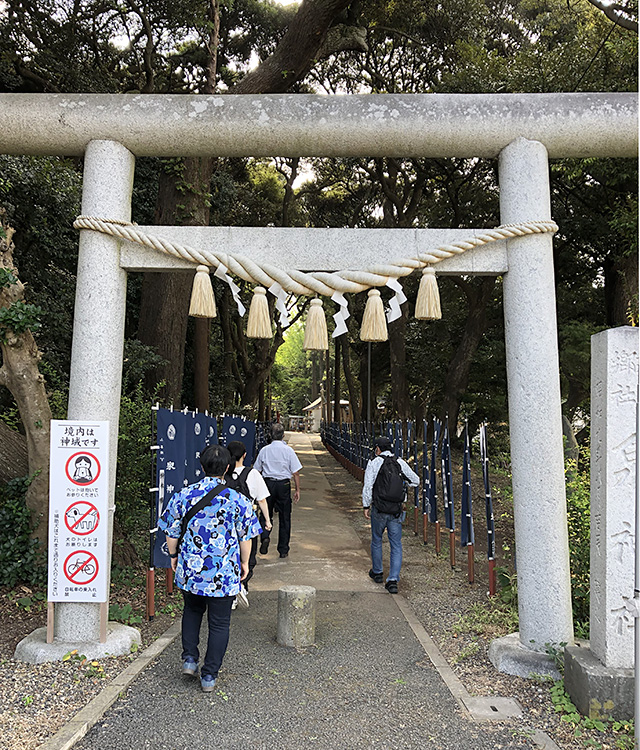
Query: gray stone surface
point(535, 421)
point(598, 691)
point(419, 125)
point(508, 655)
point(614, 382)
point(98, 335)
point(296, 616)
point(34, 649)
point(308, 249)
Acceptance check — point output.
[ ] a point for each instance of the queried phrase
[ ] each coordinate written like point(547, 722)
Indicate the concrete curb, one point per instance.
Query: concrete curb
point(75, 729)
point(475, 709)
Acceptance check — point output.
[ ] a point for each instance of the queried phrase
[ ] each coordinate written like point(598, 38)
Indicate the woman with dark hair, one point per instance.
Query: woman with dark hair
point(209, 528)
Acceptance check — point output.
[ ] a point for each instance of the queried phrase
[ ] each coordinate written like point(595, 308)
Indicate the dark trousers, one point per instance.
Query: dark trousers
point(219, 616)
point(280, 499)
point(252, 557)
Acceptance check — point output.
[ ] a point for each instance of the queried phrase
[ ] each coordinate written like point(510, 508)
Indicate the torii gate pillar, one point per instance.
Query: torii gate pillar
point(535, 417)
point(95, 383)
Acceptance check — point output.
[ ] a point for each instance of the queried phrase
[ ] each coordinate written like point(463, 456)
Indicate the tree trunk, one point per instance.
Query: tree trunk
point(14, 459)
point(261, 403)
point(165, 296)
point(314, 376)
point(457, 379)
point(398, 359)
point(571, 449)
point(621, 289)
point(20, 374)
point(348, 376)
point(297, 51)
point(201, 364)
point(329, 414)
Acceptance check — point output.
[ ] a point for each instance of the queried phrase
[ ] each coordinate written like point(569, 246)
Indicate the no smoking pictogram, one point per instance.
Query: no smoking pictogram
point(81, 567)
point(82, 469)
point(82, 518)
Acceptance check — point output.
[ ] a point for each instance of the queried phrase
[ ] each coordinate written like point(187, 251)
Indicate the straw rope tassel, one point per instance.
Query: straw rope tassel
point(316, 337)
point(428, 301)
point(259, 323)
point(203, 303)
point(374, 322)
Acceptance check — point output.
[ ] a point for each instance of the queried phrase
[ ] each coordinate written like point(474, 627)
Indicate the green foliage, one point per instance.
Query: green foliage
point(85, 667)
point(21, 560)
point(18, 318)
point(579, 521)
point(134, 459)
point(35, 600)
point(290, 375)
point(492, 618)
point(124, 613)
point(7, 278)
point(584, 726)
point(508, 583)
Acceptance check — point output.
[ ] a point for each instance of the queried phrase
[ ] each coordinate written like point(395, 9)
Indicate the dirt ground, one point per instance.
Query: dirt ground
point(36, 700)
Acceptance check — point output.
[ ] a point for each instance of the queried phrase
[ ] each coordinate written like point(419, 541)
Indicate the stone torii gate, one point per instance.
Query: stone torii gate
point(522, 130)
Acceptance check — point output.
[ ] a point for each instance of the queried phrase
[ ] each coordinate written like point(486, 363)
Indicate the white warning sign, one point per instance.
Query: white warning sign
point(78, 511)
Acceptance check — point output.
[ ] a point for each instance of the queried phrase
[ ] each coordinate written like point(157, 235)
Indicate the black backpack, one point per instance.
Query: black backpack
point(388, 489)
point(239, 483)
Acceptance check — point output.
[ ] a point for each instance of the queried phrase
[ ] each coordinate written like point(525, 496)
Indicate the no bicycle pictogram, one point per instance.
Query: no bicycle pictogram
point(82, 469)
point(82, 518)
point(81, 567)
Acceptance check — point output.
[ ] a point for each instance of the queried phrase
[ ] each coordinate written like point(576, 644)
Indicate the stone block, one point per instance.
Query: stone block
point(34, 649)
point(508, 655)
point(296, 616)
point(614, 381)
point(598, 692)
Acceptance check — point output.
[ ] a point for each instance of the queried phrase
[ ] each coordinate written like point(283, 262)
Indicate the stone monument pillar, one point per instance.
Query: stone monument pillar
point(535, 420)
point(599, 676)
point(96, 374)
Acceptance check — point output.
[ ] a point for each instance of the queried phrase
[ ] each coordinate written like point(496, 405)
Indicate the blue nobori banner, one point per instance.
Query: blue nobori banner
point(181, 436)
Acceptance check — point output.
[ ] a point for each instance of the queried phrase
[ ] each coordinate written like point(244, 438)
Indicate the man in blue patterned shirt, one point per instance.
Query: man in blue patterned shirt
point(212, 559)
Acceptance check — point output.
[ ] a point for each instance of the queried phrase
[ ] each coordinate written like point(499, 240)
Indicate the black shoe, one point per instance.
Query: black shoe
point(391, 587)
point(264, 546)
point(377, 577)
point(284, 554)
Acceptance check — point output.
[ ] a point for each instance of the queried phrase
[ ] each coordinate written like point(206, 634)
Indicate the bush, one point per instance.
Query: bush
point(134, 460)
point(579, 524)
point(21, 559)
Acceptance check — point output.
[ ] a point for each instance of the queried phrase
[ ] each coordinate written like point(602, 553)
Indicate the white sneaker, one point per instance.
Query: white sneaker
point(243, 599)
point(234, 604)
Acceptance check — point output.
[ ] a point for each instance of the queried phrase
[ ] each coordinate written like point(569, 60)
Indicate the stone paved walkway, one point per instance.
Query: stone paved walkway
point(367, 683)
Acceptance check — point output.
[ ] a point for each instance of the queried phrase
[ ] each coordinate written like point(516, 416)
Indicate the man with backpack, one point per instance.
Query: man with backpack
point(249, 483)
point(209, 528)
point(383, 496)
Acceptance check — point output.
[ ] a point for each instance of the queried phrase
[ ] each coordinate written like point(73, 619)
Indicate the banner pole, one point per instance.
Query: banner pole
point(492, 577)
point(470, 563)
point(452, 548)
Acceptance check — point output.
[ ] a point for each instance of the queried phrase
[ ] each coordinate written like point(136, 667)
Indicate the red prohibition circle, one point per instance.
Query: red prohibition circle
point(82, 567)
point(72, 527)
point(70, 459)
